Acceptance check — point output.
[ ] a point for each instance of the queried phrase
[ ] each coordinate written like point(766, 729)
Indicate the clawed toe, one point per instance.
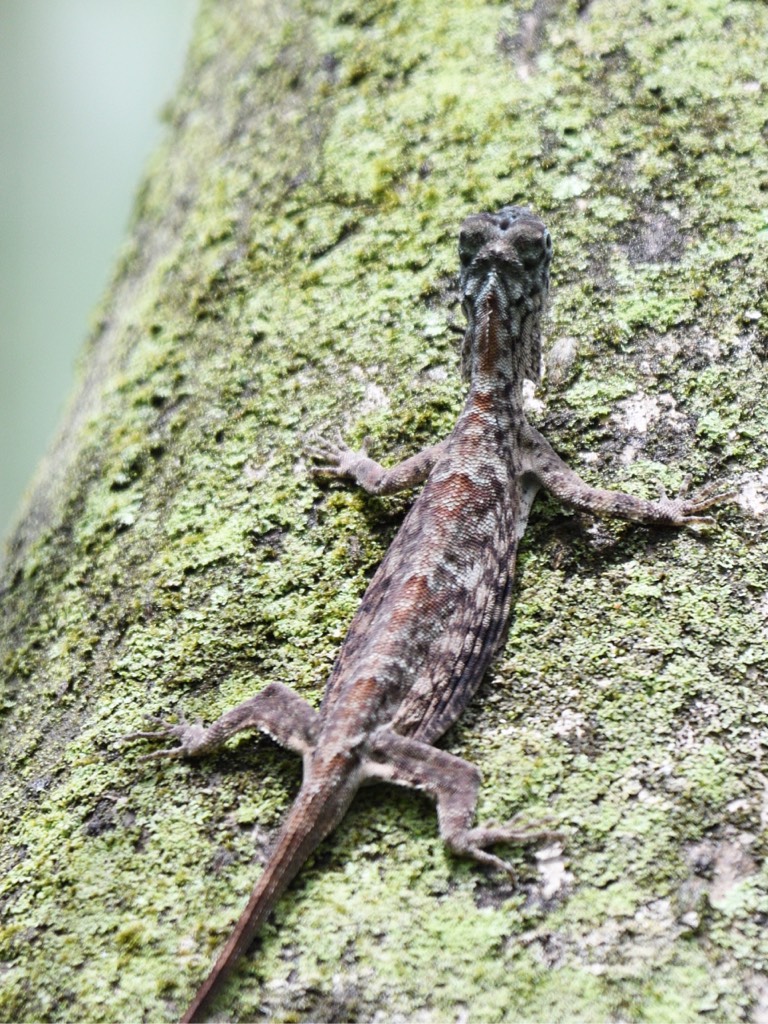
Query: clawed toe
point(322, 449)
point(141, 735)
point(702, 500)
point(164, 730)
point(475, 841)
point(330, 456)
point(686, 509)
point(336, 458)
point(685, 486)
point(706, 498)
point(698, 523)
point(712, 493)
point(533, 833)
point(157, 755)
point(188, 737)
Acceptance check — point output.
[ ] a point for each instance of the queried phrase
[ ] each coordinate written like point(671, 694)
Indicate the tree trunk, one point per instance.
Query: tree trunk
point(292, 267)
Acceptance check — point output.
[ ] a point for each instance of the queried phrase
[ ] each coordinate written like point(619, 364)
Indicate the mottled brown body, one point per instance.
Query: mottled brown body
point(436, 611)
point(431, 619)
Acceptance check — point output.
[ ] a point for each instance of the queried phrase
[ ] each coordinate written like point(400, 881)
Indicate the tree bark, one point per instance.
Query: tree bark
point(291, 267)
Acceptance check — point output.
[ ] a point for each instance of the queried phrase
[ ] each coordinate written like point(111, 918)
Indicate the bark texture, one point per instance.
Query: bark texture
point(291, 265)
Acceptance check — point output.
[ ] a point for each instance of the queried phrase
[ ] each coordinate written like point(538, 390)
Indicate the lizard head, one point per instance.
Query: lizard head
point(504, 280)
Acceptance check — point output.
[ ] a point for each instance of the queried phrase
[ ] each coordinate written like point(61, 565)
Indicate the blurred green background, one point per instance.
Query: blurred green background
point(81, 85)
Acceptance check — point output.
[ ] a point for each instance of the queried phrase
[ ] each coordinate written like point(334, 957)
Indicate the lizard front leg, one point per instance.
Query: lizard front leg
point(277, 710)
point(341, 461)
point(561, 481)
point(453, 783)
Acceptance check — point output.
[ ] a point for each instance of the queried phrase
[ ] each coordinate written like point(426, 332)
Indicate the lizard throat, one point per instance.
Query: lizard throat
point(497, 339)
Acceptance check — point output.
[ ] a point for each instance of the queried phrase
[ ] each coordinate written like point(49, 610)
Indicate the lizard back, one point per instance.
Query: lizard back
point(435, 612)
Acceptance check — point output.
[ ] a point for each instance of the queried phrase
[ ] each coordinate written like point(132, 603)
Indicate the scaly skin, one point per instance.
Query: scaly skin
point(436, 612)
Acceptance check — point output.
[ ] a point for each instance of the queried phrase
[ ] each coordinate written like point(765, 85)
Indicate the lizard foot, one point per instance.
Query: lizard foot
point(192, 738)
point(685, 511)
point(335, 458)
point(472, 842)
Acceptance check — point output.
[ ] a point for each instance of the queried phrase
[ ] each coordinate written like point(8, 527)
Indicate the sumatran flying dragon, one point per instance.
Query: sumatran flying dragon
point(437, 609)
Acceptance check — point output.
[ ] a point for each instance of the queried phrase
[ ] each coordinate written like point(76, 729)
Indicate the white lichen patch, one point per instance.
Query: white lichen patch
point(636, 415)
point(570, 724)
point(732, 864)
point(374, 399)
point(559, 359)
point(640, 412)
point(552, 870)
point(532, 405)
point(752, 495)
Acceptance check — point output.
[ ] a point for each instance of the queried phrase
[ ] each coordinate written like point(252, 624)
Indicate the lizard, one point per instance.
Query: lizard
point(436, 611)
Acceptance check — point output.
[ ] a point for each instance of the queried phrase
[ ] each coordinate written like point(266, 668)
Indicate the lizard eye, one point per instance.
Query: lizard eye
point(470, 241)
point(532, 251)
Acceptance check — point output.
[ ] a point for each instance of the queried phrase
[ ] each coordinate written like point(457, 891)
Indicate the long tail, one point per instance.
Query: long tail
point(318, 808)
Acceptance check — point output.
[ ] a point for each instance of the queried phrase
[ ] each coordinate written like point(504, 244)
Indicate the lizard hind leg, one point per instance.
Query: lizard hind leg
point(277, 710)
point(453, 783)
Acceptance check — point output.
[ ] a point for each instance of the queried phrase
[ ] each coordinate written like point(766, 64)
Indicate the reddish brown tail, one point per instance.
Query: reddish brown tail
point(318, 808)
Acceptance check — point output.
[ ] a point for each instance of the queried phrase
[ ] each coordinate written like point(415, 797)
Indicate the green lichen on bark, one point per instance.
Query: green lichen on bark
point(291, 266)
